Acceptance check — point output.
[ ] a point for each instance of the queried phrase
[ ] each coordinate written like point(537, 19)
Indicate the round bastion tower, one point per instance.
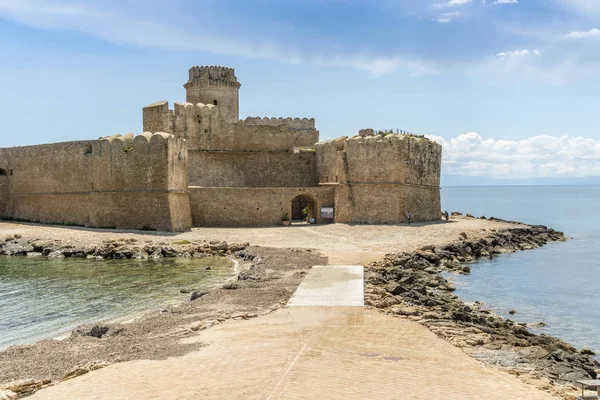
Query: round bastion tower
point(217, 86)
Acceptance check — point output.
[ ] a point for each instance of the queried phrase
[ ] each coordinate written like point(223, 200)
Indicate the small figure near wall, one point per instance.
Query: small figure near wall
point(409, 215)
point(446, 215)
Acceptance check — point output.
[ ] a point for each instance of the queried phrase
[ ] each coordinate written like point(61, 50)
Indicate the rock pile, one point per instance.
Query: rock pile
point(410, 285)
point(116, 249)
point(15, 389)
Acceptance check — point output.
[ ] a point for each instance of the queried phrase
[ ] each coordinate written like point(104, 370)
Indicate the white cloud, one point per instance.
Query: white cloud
point(447, 17)
point(70, 16)
point(591, 34)
point(532, 67)
point(385, 65)
point(506, 2)
point(585, 7)
point(451, 3)
point(515, 53)
point(538, 156)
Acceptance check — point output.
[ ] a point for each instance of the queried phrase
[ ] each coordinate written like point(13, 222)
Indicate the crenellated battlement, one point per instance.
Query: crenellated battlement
point(143, 138)
point(294, 123)
point(198, 109)
point(212, 76)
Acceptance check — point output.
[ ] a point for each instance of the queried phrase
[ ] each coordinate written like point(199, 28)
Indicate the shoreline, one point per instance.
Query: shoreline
point(135, 316)
point(261, 285)
point(423, 264)
point(410, 285)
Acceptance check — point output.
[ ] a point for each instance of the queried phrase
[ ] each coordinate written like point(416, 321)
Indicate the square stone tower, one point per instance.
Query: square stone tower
point(217, 86)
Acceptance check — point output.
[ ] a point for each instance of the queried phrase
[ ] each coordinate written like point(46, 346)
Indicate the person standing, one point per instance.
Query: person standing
point(446, 215)
point(409, 215)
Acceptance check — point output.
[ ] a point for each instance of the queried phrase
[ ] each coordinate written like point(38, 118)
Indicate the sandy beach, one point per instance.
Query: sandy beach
point(192, 351)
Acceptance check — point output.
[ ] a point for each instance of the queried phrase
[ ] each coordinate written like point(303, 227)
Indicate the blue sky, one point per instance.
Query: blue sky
point(509, 87)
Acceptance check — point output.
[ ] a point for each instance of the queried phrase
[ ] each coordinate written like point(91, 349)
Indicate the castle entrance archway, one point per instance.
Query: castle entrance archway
point(303, 208)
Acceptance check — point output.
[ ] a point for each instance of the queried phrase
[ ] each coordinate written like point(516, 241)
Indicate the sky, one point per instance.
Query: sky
point(510, 88)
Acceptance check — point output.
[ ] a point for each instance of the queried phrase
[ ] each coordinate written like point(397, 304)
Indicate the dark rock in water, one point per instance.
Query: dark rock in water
point(231, 286)
point(539, 325)
point(587, 352)
point(466, 269)
point(196, 294)
point(209, 268)
point(185, 290)
point(512, 312)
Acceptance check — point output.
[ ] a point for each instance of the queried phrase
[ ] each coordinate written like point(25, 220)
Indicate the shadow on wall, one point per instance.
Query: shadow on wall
point(303, 208)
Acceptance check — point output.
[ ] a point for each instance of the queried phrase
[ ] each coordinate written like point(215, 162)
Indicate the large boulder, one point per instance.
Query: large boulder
point(395, 288)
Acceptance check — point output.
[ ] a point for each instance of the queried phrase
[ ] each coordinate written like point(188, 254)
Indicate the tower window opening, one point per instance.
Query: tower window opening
point(215, 102)
point(3, 172)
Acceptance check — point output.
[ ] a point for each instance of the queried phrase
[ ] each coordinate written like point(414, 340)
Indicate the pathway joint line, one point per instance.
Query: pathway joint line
point(291, 366)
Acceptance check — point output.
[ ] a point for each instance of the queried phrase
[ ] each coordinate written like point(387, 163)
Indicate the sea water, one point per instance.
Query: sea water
point(558, 284)
point(41, 298)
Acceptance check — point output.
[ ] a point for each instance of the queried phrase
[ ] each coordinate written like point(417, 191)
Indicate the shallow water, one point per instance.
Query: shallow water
point(558, 284)
point(41, 298)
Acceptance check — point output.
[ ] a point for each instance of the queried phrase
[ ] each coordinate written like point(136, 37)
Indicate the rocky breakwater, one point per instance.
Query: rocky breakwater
point(131, 248)
point(410, 285)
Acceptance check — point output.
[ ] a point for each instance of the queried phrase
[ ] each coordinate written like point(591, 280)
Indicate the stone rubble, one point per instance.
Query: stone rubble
point(15, 245)
point(410, 285)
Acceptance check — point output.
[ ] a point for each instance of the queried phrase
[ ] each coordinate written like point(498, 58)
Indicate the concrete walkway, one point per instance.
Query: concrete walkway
point(329, 286)
point(307, 352)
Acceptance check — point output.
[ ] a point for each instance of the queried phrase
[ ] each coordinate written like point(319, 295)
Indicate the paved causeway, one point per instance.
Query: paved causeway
point(324, 345)
point(329, 286)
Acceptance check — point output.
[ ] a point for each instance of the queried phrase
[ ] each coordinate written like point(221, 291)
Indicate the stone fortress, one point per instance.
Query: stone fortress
point(198, 164)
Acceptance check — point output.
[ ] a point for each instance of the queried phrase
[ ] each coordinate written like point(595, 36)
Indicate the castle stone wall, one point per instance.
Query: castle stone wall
point(251, 206)
point(122, 182)
point(204, 127)
point(386, 203)
point(217, 86)
point(252, 169)
point(331, 160)
point(4, 180)
point(382, 178)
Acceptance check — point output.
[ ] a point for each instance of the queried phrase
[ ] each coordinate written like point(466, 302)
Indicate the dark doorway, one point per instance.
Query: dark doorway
point(302, 208)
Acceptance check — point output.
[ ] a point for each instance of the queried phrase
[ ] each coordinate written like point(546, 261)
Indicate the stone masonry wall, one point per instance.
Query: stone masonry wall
point(252, 169)
point(255, 152)
point(382, 178)
point(205, 129)
point(251, 206)
point(217, 86)
point(119, 181)
point(331, 160)
point(385, 203)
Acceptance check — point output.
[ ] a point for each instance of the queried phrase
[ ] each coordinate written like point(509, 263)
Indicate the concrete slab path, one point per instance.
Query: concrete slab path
point(329, 286)
point(305, 353)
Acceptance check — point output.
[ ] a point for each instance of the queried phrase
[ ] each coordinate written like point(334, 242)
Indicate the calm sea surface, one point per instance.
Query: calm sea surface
point(558, 284)
point(41, 298)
